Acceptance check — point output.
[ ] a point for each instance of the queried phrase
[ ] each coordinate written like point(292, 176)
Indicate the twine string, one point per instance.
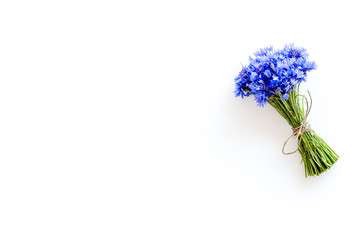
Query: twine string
point(304, 124)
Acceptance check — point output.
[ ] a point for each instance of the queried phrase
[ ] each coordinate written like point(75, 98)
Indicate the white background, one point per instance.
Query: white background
point(118, 121)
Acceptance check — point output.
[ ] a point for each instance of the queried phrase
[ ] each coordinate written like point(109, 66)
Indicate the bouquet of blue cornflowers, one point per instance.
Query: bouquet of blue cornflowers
point(273, 77)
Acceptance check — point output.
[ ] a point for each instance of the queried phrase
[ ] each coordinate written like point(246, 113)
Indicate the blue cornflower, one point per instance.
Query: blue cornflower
point(273, 72)
point(260, 98)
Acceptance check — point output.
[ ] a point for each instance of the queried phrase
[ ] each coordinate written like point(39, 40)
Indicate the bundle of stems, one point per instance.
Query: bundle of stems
point(317, 156)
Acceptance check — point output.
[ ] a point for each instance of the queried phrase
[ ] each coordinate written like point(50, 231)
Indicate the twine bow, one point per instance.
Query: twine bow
point(304, 124)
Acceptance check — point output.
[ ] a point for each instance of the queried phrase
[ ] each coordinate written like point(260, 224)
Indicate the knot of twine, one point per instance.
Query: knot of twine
point(304, 124)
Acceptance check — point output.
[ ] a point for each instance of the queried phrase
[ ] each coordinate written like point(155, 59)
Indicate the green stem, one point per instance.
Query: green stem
point(316, 155)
